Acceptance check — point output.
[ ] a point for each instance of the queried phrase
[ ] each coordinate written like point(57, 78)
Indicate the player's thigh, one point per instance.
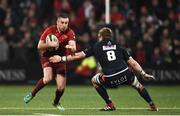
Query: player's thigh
point(61, 82)
point(48, 74)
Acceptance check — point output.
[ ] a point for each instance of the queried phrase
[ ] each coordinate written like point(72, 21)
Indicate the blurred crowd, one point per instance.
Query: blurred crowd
point(147, 28)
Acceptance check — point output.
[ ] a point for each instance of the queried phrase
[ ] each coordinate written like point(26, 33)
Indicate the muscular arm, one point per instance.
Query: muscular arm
point(135, 65)
point(57, 58)
point(71, 45)
point(43, 46)
point(76, 56)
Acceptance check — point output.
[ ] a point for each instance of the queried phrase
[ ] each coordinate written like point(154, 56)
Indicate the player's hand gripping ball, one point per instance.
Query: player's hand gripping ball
point(52, 40)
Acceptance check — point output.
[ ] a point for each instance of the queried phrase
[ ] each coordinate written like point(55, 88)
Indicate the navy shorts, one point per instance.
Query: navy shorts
point(126, 77)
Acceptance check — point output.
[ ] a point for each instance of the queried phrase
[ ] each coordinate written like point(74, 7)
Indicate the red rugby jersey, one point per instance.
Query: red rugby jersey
point(63, 38)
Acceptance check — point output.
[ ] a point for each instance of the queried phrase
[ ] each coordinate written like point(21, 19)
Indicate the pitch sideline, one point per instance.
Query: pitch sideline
point(131, 108)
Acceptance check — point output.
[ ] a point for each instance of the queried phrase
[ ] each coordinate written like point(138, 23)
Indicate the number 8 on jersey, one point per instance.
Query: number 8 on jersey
point(111, 55)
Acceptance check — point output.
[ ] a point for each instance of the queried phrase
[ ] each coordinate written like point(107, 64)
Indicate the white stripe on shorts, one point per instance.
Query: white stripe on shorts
point(116, 73)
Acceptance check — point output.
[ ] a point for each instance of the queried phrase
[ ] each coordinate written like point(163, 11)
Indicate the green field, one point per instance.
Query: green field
point(83, 100)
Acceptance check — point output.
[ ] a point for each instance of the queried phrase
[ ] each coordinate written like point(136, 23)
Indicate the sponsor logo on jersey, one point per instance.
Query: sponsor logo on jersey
point(109, 43)
point(109, 47)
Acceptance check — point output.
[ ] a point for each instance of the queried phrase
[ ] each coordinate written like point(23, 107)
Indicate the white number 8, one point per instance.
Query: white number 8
point(111, 55)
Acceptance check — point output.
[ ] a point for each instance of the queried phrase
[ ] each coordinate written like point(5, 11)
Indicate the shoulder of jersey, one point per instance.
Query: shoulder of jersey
point(97, 44)
point(51, 28)
point(70, 30)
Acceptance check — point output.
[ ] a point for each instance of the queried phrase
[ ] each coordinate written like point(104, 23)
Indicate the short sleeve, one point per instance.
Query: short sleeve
point(45, 33)
point(71, 35)
point(88, 52)
point(126, 54)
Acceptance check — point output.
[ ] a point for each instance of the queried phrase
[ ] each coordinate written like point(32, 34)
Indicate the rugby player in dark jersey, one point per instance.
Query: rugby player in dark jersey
point(115, 62)
point(66, 38)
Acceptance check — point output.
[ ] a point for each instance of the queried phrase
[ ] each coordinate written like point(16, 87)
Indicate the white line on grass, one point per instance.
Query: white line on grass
point(131, 108)
point(43, 114)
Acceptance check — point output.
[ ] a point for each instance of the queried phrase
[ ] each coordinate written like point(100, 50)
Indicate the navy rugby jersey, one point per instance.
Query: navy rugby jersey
point(111, 56)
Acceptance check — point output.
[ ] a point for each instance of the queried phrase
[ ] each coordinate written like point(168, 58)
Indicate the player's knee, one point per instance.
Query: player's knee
point(136, 84)
point(140, 87)
point(95, 77)
point(47, 79)
point(60, 88)
point(95, 80)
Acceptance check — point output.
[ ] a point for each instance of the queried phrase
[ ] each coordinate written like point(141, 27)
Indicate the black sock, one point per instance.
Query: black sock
point(144, 94)
point(58, 95)
point(103, 93)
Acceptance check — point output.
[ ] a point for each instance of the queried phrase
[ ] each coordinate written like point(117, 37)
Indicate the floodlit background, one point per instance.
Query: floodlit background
point(149, 29)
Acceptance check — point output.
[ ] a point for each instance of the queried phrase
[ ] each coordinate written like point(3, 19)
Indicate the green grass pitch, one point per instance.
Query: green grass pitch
point(83, 100)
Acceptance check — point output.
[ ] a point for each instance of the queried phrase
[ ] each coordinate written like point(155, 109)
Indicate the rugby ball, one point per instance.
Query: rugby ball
point(51, 38)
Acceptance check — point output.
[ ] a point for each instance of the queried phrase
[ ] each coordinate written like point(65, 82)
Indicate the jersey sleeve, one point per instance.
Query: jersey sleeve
point(45, 33)
point(88, 52)
point(126, 54)
point(71, 35)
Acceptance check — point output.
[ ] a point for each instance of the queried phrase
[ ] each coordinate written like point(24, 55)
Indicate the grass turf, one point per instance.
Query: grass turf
point(83, 100)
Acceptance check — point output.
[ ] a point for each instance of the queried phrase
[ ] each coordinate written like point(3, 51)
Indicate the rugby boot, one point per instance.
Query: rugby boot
point(28, 98)
point(153, 107)
point(108, 107)
point(59, 107)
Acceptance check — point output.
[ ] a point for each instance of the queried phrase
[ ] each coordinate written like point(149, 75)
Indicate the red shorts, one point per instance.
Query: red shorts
point(58, 68)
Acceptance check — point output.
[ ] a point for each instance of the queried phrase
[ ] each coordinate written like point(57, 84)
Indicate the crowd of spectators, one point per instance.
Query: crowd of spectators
point(147, 28)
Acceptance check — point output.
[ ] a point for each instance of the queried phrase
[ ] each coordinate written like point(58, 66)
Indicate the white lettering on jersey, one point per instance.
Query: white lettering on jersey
point(109, 47)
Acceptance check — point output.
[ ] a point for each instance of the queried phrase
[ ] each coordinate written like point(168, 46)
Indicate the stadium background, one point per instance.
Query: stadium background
point(149, 29)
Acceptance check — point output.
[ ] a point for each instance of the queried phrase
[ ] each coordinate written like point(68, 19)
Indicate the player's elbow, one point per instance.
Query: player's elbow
point(132, 63)
point(39, 47)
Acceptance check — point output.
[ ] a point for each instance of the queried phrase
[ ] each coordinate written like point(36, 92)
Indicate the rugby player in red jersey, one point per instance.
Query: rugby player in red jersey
point(65, 46)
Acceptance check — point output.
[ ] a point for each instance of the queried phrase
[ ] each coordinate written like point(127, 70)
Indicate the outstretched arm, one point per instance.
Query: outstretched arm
point(135, 65)
point(57, 58)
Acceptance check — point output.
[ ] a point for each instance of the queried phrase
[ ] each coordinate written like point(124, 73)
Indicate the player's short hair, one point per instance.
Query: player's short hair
point(105, 32)
point(63, 15)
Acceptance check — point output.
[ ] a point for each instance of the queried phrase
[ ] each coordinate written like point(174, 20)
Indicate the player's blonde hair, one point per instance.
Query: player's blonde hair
point(105, 32)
